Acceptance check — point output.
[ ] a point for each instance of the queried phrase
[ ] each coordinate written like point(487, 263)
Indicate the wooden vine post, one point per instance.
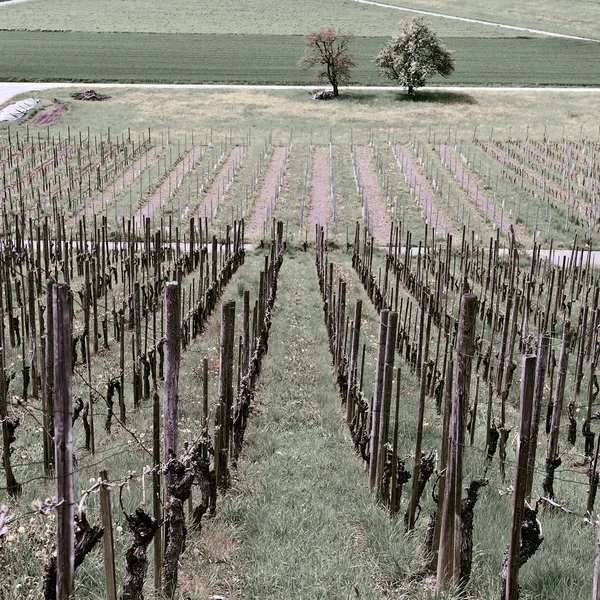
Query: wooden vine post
point(377, 399)
point(171, 383)
point(552, 455)
point(224, 407)
point(543, 352)
point(49, 382)
point(596, 590)
point(521, 478)
point(107, 538)
point(386, 396)
point(63, 432)
point(355, 339)
point(448, 567)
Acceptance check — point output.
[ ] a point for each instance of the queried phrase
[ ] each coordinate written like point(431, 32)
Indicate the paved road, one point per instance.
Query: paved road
point(477, 21)
point(10, 89)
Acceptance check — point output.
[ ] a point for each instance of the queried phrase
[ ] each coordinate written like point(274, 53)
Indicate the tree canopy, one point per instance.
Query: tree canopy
point(415, 55)
point(328, 48)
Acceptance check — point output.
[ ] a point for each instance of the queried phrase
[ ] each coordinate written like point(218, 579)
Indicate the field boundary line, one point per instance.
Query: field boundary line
point(476, 21)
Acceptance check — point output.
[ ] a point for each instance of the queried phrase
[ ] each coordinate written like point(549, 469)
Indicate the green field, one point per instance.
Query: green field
point(259, 59)
point(229, 16)
point(577, 17)
point(43, 40)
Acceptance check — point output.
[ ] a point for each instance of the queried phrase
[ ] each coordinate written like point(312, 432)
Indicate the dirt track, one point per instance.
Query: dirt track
point(379, 219)
point(319, 190)
point(48, 115)
point(218, 187)
point(267, 193)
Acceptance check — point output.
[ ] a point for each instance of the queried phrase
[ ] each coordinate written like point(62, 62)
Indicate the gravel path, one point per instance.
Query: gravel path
point(319, 190)
point(266, 196)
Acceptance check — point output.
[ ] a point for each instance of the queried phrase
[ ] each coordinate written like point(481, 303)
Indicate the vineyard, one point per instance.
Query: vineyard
point(299, 366)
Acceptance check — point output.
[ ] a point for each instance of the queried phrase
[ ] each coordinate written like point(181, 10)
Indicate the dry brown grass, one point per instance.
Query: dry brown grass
point(208, 564)
point(278, 111)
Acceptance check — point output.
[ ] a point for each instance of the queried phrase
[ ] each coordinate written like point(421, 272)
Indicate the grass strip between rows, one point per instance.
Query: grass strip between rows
point(302, 510)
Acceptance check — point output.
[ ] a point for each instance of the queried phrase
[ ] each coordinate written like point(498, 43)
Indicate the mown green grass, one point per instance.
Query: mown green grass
point(260, 59)
point(229, 16)
point(302, 512)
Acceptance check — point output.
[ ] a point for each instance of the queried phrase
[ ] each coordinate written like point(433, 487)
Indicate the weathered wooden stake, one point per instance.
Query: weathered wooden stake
point(108, 546)
point(448, 571)
point(388, 378)
point(543, 351)
point(596, 590)
point(377, 398)
point(63, 431)
point(171, 384)
point(225, 387)
point(520, 480)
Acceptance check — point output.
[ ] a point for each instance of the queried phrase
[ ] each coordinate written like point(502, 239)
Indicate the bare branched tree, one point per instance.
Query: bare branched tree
point(327, 48)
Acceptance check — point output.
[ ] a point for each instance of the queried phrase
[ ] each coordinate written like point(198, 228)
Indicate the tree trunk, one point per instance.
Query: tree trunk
point(336, 93)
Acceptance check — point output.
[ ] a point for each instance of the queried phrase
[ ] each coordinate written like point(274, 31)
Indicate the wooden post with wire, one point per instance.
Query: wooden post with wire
point(171, 384)
point(448, 568)
point(377, 399)
point(225, 391)
point(520, 481)
point(107, 538)
point(63, 433)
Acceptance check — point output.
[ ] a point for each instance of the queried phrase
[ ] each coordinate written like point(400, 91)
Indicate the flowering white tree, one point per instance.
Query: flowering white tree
point(414, 55)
